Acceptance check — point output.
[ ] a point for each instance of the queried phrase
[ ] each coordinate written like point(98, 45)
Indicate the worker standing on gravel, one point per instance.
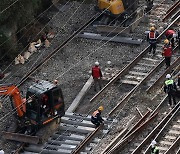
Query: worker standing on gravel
point(152, 39)
point(167, 52)
point(171, 89)
point(154, 148)
point(96, 116)
point(97, 75)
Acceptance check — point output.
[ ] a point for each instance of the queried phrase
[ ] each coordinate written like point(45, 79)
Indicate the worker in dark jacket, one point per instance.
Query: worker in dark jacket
point(178, 38)
point(97, 75)
point(167, 52)
point(152, 39)
point(154, 148)
point(96, 116)
point(171, 89)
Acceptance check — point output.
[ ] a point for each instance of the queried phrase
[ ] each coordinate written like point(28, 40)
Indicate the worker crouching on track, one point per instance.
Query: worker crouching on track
point(154, 148)
point(96, 116)
point(171, 89)
point(97, 75)
point(152, 39)
point(167, 52)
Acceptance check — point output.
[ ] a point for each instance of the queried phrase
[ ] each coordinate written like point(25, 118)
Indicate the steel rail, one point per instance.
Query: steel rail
point(174, 114)
point(155, 130)
point(130, 65)
point(174, 146)
point(86, 140)
point(57, 49)
point(121, 135)
point(132, 135)
point(156, 83)
point(170, 11)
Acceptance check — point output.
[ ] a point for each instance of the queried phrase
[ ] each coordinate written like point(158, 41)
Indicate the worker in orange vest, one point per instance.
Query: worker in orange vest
point(97, 75)
point(96, 116)
point(152, 39)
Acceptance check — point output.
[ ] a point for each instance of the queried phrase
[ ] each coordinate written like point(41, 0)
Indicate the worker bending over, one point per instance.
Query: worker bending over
point(96, 116)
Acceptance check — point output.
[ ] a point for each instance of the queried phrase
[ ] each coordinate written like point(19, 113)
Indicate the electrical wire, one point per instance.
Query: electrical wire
point(9, 6)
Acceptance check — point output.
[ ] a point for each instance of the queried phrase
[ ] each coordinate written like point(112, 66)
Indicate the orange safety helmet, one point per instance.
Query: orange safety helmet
point(101, 108)
point(166, 41)
point(152, 28)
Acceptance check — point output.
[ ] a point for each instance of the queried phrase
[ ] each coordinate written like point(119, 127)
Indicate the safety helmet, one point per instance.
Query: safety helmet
point(168, 76)
point(101, 108)
point(97, 63)
point(153, 143)
point(152, 28)
point(166, 41)
point(55, 81)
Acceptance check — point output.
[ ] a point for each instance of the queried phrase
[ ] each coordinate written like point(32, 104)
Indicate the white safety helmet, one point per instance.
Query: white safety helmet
point(168, 76)
point(153, 143)
point(97, 63)
point(1, 151)
point(174, 35)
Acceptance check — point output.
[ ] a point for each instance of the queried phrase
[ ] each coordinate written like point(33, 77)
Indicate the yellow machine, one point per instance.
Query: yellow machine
point(117, 10)
point(114, 6)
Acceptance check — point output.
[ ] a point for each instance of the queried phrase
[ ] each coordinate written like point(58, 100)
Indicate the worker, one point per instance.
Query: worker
point(154, 148)
point(170, 35)
point(178, 38)
point(171, 89)
point(167, 52)
point(152, 39)
point(149, 5)
point(97, 75)
point(178, 80)
point(96, 116)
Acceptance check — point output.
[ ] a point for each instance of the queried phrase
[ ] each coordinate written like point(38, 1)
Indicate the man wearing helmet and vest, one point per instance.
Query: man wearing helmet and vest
point(152, 39)
point(154, 148)
point(97, 75)
point(96, 116)
point(170, 88)
point(167, 52)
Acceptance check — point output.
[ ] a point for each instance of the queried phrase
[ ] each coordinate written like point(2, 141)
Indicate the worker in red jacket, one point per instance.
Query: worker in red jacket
point(167, 52)
point(97, 75)
point(152, 39)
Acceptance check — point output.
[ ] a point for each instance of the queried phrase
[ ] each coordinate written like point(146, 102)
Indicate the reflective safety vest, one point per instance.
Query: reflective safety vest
point(155, 151)
point(94, 115)
point(152, 35)
point(96, 72)
point(168, 82)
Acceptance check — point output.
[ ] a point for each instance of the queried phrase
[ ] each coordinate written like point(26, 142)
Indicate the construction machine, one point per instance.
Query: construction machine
point(116, 10)
point(43, 103)
point(116, 20)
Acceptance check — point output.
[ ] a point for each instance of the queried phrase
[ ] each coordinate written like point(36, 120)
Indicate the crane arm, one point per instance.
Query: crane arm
point(12, 90)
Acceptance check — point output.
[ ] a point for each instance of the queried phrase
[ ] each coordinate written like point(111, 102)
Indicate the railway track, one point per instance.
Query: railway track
point(130, 75)
point(74, 128)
